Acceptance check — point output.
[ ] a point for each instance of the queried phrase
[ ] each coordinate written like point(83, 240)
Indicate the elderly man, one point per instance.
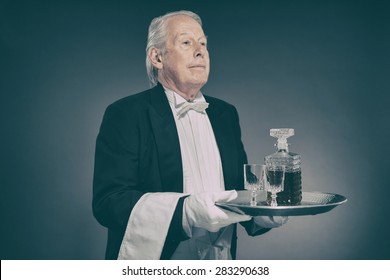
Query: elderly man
point(165, 156)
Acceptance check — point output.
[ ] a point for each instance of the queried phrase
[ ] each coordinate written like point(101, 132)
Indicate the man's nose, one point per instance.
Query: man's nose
point(200, 50)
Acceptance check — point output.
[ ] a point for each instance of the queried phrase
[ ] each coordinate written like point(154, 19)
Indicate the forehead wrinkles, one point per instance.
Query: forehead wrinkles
point(183, 25)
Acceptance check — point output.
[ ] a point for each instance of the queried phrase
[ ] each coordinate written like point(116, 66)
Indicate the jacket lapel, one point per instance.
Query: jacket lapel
point(167, 141)
point(224, 135)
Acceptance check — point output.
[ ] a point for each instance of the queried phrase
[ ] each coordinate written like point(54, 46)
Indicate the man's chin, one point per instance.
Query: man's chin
point(199, 82)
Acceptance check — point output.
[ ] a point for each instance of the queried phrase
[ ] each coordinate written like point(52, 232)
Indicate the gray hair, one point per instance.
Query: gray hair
point(157, 37)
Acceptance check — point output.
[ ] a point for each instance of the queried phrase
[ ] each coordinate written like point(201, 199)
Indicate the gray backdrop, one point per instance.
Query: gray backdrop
point(320, 67)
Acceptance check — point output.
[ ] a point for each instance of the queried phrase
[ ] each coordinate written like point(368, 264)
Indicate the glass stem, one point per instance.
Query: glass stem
point(253, 198)
point(273, 202)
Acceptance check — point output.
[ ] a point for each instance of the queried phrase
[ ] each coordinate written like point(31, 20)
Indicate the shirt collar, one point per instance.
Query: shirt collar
point(177, 100)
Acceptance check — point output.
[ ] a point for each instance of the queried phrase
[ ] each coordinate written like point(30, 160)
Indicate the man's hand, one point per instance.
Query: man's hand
point(270, 221)
point(200, 211)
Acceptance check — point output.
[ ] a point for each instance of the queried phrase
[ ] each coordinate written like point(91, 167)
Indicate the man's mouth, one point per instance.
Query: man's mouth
point(197, 66)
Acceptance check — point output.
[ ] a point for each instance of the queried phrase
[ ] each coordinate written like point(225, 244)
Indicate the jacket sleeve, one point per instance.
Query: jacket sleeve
point(116, 183)
point(115, 189)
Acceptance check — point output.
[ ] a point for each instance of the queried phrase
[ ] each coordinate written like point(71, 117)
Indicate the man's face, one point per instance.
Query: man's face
point(186, 63)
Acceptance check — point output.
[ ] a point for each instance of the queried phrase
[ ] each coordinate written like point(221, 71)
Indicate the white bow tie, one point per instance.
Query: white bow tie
point(200, 107)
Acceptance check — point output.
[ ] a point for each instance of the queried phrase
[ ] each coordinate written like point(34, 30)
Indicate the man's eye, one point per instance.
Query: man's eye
point(186, 42)
point(204, 44)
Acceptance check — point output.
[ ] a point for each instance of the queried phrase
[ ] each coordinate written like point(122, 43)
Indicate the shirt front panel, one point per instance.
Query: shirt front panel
point(202, 172)
point(202, 168)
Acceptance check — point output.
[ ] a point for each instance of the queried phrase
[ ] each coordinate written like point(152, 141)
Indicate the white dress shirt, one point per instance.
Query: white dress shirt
point(202, 168)
point(202, 172)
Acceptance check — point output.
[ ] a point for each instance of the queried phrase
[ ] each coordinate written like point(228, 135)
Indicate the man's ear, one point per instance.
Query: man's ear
point(154, 55)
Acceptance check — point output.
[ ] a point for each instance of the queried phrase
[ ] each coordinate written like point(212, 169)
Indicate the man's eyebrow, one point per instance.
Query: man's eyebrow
point(185, 33)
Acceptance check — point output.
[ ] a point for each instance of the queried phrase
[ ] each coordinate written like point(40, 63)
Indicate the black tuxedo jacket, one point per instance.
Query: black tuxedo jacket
point(138, 151)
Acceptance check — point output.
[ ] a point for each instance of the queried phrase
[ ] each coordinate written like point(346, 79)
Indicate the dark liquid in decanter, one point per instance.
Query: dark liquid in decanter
point(292, 193)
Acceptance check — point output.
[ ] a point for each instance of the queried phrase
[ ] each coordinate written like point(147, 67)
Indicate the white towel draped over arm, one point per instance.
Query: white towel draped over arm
point(148, 226)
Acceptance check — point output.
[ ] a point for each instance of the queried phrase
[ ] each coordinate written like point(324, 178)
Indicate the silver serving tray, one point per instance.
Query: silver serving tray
point(312, 203)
